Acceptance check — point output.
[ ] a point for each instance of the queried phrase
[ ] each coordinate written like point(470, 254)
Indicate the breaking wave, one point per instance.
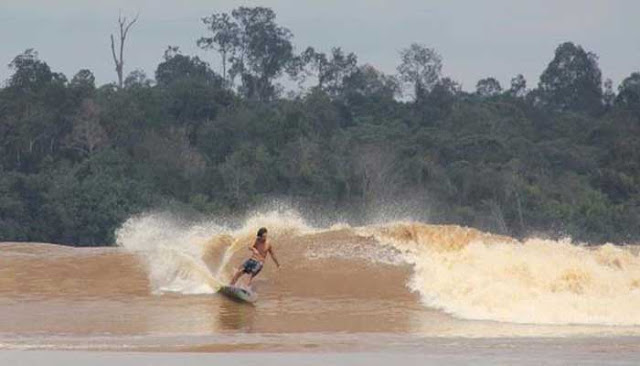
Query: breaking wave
point(461, 271)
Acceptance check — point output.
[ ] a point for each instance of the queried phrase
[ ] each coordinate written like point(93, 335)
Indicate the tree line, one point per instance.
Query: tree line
point(561, 158)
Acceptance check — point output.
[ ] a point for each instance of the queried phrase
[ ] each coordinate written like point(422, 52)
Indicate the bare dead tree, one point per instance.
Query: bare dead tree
point(124, 25)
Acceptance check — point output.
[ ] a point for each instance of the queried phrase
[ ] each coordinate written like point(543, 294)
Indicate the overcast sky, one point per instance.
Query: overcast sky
point(477, 38)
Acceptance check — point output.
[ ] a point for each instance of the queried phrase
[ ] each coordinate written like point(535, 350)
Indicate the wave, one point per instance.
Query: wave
point(473, 275)
point(193, 258)
point(461, 271)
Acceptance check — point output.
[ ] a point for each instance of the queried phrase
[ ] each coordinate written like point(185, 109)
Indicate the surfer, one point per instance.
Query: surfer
point(253, 265)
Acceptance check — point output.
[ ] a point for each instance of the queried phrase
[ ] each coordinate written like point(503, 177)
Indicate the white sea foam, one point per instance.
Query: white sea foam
point(175, 251)
point(464, 272)
point(478, 276)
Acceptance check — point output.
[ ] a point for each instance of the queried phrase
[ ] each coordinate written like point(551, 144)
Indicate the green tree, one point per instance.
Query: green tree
point(176, 67)
point(488, 87)
point(225, 38)
point(440, 101)
point(192, 92)
point(369, 82)
point(35, 104)
point(629, 93)
point(83, 85)
point(264, 50)
point(572, 81)
point(518, 87)
point(330, 72)
point(137, 79)
point(420, 67)
point(30, 74)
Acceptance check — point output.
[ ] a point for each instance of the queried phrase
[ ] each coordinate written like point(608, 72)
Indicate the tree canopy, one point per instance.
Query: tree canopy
point(572, 81)
point(77, 159)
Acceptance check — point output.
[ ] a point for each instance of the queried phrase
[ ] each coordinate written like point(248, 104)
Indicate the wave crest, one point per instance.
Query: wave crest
point(461, 271)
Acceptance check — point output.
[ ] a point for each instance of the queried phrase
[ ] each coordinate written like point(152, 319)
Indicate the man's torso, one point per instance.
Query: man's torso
point(263, 248)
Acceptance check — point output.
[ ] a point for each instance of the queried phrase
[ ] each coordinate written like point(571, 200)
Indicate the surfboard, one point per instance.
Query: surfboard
point(239, 294)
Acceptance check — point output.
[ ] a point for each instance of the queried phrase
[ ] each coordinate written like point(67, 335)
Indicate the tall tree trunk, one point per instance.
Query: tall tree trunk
point(124, 26)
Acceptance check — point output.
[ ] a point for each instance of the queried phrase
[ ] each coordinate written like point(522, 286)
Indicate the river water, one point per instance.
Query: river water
point(398, 288)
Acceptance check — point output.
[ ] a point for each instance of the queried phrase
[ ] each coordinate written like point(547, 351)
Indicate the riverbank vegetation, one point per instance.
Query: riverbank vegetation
point(557, 156)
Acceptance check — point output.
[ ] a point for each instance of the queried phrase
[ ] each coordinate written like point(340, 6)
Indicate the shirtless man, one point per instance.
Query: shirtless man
point(253, 265)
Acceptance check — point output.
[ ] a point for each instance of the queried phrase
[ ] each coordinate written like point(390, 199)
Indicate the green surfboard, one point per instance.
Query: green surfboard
point(239, 294)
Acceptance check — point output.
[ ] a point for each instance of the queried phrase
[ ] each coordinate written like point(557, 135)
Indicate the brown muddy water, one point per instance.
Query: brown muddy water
point(401, 288)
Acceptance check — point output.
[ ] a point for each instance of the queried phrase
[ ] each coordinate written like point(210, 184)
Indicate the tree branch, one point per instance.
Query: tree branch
point(124, 27)
point(113, 52)
point(126, 30)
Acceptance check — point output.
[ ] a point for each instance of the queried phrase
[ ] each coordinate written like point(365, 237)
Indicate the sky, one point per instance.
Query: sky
point(476, 38)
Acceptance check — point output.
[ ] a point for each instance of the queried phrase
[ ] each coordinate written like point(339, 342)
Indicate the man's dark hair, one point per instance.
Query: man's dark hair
point(261, 231)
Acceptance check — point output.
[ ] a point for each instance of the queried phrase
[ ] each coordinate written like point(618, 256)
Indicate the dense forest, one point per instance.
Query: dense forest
point(321, 132)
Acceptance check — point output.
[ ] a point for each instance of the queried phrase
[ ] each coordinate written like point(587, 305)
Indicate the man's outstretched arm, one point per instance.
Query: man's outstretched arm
point(273, 256)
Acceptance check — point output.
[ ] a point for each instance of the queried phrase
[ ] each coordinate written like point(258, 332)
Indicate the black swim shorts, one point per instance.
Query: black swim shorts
point(252, 267)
